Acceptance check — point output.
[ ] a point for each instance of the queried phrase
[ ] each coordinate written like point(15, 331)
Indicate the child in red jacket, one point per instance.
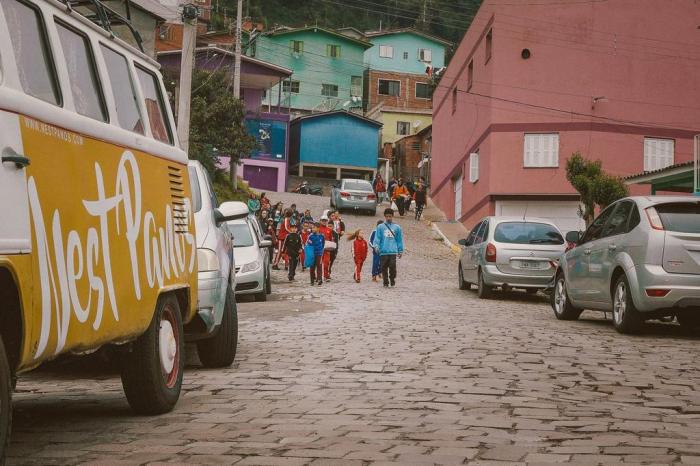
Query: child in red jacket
point(359, 252)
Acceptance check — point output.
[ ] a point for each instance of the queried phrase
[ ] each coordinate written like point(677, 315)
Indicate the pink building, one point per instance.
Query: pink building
point(530, 84)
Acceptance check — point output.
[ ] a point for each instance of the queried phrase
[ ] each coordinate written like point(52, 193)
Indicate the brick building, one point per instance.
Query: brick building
point(412, 153)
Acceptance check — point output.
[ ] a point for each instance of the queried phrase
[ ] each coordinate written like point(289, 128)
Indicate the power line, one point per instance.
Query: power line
point(573, 112)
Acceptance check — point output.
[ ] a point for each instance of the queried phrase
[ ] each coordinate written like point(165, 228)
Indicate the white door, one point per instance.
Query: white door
point(14, 206)
point(458, 197)
point(564, 214)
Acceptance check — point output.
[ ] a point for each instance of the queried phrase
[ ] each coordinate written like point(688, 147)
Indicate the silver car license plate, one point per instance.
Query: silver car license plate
point(530, 265)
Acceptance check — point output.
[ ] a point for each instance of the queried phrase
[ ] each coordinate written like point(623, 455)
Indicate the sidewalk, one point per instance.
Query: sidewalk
point(450, 231)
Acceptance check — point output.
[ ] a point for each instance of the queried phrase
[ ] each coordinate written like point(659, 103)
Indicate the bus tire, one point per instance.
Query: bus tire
point(5, 402)
point(220, 349)
point(152, 370)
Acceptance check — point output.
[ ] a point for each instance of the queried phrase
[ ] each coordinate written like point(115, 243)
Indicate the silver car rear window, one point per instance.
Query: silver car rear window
point(357, 185)
point(680, 217)
point(527, 233)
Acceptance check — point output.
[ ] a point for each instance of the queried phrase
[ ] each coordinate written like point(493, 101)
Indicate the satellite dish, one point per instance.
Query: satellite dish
point(417, 123)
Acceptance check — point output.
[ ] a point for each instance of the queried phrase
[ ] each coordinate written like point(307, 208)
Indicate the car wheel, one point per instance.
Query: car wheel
point(5, 402)
point(689, 319)
point(220, 349)
point(626, 318)
point(152, 369)
point(460, 279)
point(484, 291)
point(563, 309)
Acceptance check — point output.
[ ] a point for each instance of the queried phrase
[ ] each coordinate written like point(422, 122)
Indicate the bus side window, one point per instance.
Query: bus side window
point(128, 114)
point(84, 85)
point(35, 67)
point(155, 106)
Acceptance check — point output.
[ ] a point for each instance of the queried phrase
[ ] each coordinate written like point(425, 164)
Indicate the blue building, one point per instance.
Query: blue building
point(334, 145)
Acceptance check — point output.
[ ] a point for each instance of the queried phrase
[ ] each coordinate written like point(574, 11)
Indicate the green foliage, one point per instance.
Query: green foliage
point(224, 191)
point(596, 187)
point(216, 121)
point(448, 19)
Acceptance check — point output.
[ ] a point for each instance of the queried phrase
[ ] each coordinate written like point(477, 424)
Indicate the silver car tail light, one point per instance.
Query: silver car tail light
point(654, 219)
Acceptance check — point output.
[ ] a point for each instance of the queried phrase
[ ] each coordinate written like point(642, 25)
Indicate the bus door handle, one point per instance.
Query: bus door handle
point(20, 161)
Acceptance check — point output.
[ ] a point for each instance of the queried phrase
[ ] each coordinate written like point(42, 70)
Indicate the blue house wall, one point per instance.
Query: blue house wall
point(335, 140)
point(405, 59)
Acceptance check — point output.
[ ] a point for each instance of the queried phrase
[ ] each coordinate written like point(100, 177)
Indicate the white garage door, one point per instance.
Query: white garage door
point(562, 213)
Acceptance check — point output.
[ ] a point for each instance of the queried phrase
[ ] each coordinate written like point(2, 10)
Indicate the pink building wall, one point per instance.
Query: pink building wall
point(643, 58)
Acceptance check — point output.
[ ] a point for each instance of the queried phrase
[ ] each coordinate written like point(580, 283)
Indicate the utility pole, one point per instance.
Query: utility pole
point(233, 167)
point(189, 41)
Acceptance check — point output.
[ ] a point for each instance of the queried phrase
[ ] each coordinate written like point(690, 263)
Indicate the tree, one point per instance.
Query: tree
point(217, 121)
point(596, 187)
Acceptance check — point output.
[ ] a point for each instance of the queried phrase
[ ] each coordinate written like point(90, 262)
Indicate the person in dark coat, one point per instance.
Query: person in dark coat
point(292, 247)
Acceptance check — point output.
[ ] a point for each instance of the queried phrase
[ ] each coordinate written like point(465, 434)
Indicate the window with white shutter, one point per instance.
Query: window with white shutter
point(386, 51)
point(658, 153)
point(474, 167)
point(541, 150)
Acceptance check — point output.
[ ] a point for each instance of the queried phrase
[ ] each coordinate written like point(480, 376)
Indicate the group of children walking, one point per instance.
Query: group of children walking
point(299, 240)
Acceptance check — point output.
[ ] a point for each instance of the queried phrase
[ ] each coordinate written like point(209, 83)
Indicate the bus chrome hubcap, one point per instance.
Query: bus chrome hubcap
point(168, 347)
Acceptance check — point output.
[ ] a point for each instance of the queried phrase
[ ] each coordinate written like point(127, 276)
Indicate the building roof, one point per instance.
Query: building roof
point(651, 175)
point(338, 112)
point(155, 8)
point(245, 58)
point(287, 30)
point(351, 30)
point(414, 31)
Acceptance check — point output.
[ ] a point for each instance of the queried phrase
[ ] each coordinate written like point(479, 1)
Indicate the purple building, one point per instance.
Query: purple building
point(266, 168)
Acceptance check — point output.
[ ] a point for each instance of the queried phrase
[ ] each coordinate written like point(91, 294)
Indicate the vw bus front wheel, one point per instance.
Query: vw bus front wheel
point(152, 370)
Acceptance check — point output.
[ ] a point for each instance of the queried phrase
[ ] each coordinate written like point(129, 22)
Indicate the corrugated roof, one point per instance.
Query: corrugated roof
point(286, 30)
point(660, 171)
point(338, 112)
point(388, 32)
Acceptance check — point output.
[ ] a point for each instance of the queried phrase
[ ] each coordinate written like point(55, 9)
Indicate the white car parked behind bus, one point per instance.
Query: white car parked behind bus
point(252, 253)
point(215, 329)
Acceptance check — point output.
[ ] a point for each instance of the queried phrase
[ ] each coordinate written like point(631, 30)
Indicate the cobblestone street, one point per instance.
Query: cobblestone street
point(355, 374)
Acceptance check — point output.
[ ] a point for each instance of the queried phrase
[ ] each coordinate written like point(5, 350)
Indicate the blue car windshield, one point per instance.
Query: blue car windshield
point(527, 233)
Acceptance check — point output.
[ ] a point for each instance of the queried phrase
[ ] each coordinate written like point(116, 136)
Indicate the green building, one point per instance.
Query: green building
point(328, 68)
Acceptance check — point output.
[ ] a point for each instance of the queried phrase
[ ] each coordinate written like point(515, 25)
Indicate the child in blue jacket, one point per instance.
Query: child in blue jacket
point(318, 241)
point(388, 242)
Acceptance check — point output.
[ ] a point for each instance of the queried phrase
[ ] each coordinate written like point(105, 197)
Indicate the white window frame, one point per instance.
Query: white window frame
point(416, 91)
point(474, 167)
point(386, 51)
point(379, 80)
point(659, 153)
point(457, 189)
point(541, 150)
point(405, 124)
point(422, 55)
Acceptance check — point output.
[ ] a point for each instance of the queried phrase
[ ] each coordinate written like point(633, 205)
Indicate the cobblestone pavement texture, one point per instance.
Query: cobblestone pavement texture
point(353, 374)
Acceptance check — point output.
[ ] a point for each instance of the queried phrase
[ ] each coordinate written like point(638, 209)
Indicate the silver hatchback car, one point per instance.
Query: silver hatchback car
point(640, 259)
point(510, 252)
point(351, 194)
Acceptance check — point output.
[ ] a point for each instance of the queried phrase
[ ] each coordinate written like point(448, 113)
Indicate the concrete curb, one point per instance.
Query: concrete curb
point(455, 248)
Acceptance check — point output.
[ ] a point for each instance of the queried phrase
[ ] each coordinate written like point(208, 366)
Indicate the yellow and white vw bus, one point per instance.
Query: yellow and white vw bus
point(97, 241)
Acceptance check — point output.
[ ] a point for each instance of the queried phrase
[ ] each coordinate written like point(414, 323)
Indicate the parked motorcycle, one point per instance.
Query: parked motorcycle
point(306, 188)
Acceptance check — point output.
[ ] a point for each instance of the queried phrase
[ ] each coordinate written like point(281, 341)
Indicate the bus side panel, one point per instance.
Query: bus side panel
point(111, 227)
